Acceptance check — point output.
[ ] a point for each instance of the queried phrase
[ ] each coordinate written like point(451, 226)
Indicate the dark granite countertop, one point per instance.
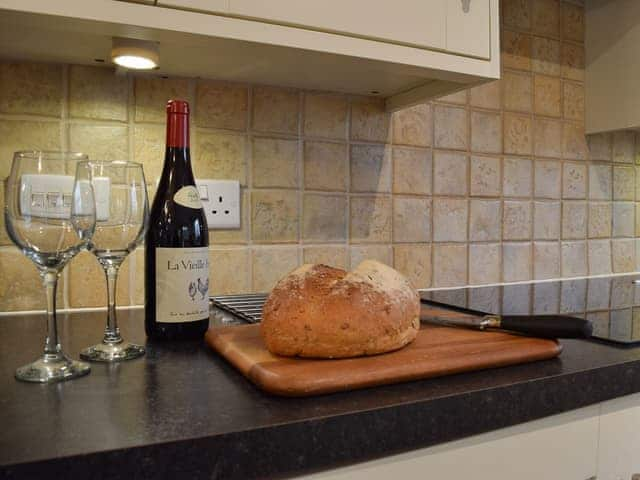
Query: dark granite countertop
point(183, 411)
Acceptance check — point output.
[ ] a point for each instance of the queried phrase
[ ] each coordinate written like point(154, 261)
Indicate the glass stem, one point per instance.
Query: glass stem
point(52, 349)
point(111, 332)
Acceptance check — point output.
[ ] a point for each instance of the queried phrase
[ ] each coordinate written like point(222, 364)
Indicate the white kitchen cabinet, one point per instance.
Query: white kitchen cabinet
point(405, 51)
point(560, 447)
point(619, 444)
point(612, 66)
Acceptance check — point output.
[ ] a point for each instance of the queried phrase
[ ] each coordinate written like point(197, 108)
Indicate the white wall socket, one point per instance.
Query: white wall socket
point(221, 202)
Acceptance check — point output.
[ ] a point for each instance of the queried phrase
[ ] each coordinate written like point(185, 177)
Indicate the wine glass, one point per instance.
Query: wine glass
point(122, 213)
point(50, 216)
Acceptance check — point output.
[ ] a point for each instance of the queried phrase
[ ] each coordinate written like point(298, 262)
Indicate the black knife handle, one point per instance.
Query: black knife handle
point(550, 326)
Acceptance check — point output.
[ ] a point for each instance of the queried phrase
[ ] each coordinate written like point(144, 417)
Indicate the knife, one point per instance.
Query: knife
point(548, 326)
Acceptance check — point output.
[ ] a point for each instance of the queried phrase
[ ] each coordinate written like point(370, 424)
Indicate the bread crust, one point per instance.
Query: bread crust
point(324, 312)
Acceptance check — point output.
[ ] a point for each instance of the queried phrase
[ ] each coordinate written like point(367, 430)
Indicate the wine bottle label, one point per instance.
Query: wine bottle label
point(188, 197)
point(182, 284)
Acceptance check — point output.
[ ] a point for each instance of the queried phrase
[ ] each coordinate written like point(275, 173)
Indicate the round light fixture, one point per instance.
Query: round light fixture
point(135, 54)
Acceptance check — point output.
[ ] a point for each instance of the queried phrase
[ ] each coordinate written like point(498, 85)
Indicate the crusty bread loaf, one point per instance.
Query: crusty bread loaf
point(320, 311)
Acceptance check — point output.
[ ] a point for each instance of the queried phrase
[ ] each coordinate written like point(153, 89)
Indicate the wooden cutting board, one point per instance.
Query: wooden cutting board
point(435, 352)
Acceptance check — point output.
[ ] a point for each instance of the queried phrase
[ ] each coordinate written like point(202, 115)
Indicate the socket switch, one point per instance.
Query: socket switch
point(221, 202)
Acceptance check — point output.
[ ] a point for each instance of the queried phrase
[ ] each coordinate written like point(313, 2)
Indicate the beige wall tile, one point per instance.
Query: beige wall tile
point(518, 135)
point(152, 95)
point(516, 262)
point(460, 97)
point(20, 285)
point(451, 127)
point(334, 256)
point(271, 264)
point(236, 235)
point(600, 146)
point(623, 219)
point(518, 91)
point(221, 105)
point(414, 261)
point(573, 101)
point(449, 265)
point(360, 253)
point(573, 22)
point(370, 219)
point(411, 219)
point(97, 93)
point(623, 146)
point(88, 286)
point(623, 255)
point(101, 142)
point(485, 176)
point(274, 162)
point(623, 183)
point(221, 156)
point(546, 56)
point(599, 219)
point(31, 88)
point(637, 223)
point(548, 138)
point(573, 61)
point(516, 50)
point(546, 220)
point(149, 149)
point(574, 145)
point(547, 179)
point(275, 110)
point(574, 220)
point(486, 132)
point(450, 220)
point(546, 97)
point(449, 173)
point(574, 259)
point(600, 182)
point(324, 217)
point(413, 126)
point(274, 216)
point(518, 177)
point(516, 13)
point(370, 121)
point(545, 17)
point(487, 95)
point(574, 181)
point(25, 135)
point(325, 115)
point(516, 220)
point(370, 168)
point(136, 281)
point(229, 271)
point(599, 257)
point(546, 260)
point(484, 220)
point(484, 263)
point(412, 170)
point(325, 166)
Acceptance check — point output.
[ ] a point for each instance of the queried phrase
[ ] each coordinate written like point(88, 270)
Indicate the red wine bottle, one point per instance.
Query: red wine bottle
point(176, 249)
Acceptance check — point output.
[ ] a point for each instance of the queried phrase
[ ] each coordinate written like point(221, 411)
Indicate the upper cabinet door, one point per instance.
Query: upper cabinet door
point(415, 22)
point(469, 27)
point(215, 6)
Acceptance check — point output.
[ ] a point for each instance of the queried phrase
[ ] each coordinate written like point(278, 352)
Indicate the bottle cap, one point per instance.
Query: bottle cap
point(178, 106)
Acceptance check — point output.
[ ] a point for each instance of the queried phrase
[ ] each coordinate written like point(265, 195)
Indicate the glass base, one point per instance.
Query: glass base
point(52, 368)
point(112, 352)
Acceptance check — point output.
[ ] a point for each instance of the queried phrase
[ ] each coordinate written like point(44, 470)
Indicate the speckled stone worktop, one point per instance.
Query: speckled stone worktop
point(182, 411)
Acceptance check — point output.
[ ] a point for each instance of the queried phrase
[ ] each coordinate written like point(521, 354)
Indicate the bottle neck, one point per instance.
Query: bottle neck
point(177, 131)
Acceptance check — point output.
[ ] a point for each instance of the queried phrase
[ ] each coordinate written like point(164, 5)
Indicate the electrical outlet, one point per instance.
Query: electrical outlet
point(221, 202)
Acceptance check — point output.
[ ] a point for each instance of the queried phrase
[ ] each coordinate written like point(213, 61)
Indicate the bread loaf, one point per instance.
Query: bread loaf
point(325, 312)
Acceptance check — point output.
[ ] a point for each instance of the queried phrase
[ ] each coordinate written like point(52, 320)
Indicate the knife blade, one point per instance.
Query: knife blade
point(548, 326)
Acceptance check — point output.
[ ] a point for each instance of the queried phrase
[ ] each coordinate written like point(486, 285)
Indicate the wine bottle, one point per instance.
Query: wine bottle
point(176, 250)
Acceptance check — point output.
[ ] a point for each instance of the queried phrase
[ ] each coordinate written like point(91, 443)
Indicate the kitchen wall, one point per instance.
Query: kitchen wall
point(492, 184)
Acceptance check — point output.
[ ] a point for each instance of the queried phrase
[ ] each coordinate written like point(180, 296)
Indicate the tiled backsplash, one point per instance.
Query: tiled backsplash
point(492, 184)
